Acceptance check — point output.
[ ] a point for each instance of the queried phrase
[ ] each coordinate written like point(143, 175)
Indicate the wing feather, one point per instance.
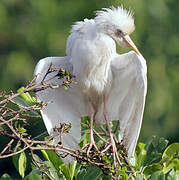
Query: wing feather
point(127, 96)
point(65, 106)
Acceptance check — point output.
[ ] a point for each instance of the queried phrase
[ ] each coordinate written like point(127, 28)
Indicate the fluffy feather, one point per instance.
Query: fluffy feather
point(115, 18)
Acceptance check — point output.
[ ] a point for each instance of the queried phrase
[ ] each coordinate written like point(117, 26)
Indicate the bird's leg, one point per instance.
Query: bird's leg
point(92, 141)
point(112, 139)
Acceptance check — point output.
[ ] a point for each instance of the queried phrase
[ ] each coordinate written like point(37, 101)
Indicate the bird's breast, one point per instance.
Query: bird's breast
point(91, 59)
point(95, 80)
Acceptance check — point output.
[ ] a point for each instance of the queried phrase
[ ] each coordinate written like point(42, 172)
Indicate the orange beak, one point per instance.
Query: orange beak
point(130, 43)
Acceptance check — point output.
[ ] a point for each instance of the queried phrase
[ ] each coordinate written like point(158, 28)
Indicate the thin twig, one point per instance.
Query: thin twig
point(8, 146)
point(8, 117)
point(14, 153)
point(100, 136)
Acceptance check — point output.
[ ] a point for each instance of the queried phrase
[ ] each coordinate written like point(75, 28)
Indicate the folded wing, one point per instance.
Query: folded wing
point(127, 96)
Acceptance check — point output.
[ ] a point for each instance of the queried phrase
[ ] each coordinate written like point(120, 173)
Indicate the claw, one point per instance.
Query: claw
point(115, 155)
point(91, 145)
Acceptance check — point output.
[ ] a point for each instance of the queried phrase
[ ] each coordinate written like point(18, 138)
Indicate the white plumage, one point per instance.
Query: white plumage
point(103, 76)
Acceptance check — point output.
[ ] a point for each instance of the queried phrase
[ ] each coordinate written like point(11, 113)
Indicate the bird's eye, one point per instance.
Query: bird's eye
point(119, 32)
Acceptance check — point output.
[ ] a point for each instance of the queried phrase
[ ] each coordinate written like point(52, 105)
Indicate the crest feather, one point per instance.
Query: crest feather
point(118, 17)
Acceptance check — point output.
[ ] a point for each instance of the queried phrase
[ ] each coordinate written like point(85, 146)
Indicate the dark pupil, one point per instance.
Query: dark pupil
point(119, 31)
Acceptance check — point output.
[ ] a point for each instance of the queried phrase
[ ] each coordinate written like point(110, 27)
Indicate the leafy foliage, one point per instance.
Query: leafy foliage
point(20, 162)
point(153, 160)
point(31, 30)
point(146, 167)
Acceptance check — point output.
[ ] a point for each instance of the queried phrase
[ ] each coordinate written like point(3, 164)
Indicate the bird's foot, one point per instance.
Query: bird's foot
point(116, 159)
point(91, 145)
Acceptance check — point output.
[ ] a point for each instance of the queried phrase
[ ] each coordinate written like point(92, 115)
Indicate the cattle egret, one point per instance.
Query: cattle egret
point(110, 86)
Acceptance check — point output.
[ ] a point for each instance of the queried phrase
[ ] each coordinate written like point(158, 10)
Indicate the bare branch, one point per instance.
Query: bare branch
point(8, 117)
point(7, 147)
point(14, 153)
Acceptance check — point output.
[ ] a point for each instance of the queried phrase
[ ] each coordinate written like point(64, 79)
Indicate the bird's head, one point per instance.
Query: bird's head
point(118, 23)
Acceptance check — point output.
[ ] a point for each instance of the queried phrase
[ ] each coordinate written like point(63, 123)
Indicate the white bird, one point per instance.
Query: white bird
point(110, 86)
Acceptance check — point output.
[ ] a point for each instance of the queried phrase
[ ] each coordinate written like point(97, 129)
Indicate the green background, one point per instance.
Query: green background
point(34, 29)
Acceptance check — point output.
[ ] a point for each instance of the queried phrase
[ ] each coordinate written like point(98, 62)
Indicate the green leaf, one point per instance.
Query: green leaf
point(114, 125)
point(77, 170)
point(45, 154)
point(5, 177)
point(34, 175)
point(85, 121)
point(173, 175)
point(154, 150)
point(106, 159)
point(81, 174)
point(66, 171)
point(155, 157)
point(152, 169)
point(51, 170)
point(122, 172)
point(37, 159)
point(89, 173)
point(162, 144)
point(155, 141)
point(19, 162)
point(84, 139)
point(157, 176)
point(140, 155)
point(21, 101)
point(123, 176)
point(27, 97)
point(92, 173)
point(53, 158)
point(72, 168)
point(169, 153)
point(69, 171)
point(173, 164)
point(22, 164)
point(139, 177)
point(22, 130)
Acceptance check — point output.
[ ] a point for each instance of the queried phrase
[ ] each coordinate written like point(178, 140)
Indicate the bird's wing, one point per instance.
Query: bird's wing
point(64, 106)
point(127, 96)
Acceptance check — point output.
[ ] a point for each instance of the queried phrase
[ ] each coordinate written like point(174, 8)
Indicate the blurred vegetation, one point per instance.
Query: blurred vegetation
point(31, 30)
